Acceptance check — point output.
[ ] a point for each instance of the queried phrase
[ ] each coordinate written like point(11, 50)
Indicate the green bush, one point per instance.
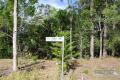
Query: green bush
point(34, 58)
point(57, 52)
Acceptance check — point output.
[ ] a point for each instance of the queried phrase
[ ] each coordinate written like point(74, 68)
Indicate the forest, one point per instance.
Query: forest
point(91, 29)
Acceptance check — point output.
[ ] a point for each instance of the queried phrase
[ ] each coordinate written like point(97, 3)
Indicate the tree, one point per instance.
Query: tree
point(112, 18)
point(92, 33)
point(15, 37)
point(70, 25)
point(83, 26)
point(101, 38)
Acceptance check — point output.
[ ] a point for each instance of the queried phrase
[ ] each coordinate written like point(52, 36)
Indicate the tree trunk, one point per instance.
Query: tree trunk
point(15, 37)
point(101, 44)
point(105, 41)
point(71, 17)
point(92, 33)
point(92, 45)
point(81, 44)
point(71, 41)
point(101, 39)
point(69, 11)
point(113, 50)
point(113, 26)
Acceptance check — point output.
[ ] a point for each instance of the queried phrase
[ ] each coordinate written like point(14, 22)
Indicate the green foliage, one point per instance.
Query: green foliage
point(34, 58)
point(34, 25)
point(28, 55)
point(57, 52)
point(111, 13)
point(30, 10)
point(57, 46)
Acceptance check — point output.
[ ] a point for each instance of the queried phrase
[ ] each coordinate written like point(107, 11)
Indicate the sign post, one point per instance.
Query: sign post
point(58, 39)
point(62, 74)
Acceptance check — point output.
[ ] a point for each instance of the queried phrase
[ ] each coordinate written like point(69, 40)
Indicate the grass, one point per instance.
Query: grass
point(51, 71)
point(32, 75)
point(88, 66)
point(43, 70)
point(5, 63)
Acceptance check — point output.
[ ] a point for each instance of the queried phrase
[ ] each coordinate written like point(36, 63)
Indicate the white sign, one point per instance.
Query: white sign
point(53, 39)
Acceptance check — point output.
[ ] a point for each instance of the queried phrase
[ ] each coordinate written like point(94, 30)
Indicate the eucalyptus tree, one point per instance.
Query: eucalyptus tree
point(28, 12)
point(83, 24)
point(79, 29)
point(15, 37)
point(69, 12)
point(100, 30)
point(92, 33)
point(70, 25)
point(87, 15)
point(99, 6)
point(112, 17)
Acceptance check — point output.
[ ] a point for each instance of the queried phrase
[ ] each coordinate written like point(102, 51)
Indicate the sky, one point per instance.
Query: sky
point(56, 3)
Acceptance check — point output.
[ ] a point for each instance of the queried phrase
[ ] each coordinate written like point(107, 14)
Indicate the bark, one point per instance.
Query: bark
point(71, 17)
point(105, 41)
point(101, 44)
point(92, 33)
point(15, 37)
point(70, 14)
point(92, 45)
point(81, 42)
point(101, 40)
point(113, 26)
point(113, 50)
point(71, 41)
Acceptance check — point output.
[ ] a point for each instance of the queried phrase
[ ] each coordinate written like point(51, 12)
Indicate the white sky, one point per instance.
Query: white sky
point(55, 3)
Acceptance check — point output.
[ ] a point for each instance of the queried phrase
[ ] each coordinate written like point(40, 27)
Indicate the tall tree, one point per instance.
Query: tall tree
point(15, 37)
point(92, 33)
point(70, 12)
point(101, 38)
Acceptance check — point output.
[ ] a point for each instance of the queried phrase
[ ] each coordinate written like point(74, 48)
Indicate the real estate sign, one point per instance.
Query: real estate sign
point(55, 39)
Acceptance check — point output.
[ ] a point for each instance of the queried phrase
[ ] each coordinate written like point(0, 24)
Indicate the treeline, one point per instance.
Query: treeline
point(91, 29)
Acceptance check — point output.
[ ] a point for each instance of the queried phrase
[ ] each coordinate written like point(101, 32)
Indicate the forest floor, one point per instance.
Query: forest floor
point(96, 69)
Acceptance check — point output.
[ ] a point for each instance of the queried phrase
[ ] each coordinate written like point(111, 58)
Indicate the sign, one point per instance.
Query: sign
point(53, 39)
point(59, 39)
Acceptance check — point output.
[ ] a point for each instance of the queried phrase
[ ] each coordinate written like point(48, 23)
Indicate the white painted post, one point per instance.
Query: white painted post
point(62, 74)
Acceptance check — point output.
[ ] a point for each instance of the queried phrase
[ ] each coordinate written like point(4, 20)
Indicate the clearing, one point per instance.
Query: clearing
point(96, 69)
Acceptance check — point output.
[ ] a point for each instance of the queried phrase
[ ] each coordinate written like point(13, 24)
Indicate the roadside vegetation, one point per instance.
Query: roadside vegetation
point(92, 40)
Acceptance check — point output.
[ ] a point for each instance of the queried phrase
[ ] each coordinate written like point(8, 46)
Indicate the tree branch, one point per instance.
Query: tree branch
point(6, 34)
